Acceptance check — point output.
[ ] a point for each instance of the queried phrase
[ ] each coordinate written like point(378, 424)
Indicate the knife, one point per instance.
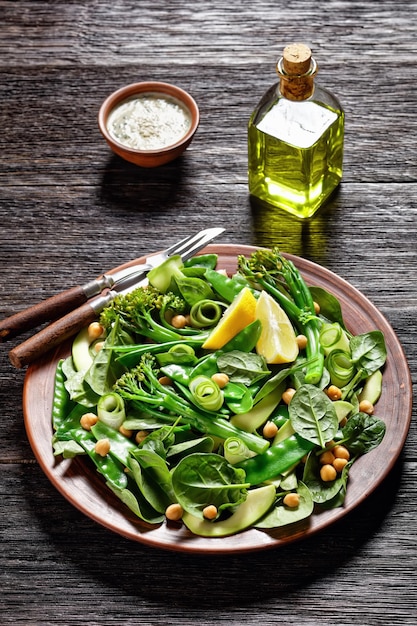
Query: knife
point(60, 330)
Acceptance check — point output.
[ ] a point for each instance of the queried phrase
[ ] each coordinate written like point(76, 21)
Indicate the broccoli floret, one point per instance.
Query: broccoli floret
point(143, 312)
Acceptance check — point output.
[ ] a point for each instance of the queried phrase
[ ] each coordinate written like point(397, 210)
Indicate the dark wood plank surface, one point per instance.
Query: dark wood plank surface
point(69, 210)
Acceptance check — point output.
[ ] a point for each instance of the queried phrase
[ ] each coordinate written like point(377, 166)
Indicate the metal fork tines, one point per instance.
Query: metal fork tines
point(184, 248)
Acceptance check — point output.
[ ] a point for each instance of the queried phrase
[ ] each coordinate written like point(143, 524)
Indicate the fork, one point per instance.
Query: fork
point(121, 281)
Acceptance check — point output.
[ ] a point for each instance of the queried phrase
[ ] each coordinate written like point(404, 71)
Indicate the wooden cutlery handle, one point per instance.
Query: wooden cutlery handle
point(53, 335)
point(45, 311)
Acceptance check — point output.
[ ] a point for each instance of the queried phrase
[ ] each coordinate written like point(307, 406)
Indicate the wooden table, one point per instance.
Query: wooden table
point(71, 210)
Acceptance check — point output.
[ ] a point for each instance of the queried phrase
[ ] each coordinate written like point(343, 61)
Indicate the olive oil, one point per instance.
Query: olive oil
point(295, 139)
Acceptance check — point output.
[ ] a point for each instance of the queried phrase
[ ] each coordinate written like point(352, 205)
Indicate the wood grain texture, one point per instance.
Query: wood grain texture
point(70, 210)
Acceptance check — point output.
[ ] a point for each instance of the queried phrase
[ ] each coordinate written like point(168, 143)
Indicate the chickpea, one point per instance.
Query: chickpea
point(210, 512)
point(141, 436)
point(316, 308)
point(174, 512)
point(179, 321)
point(221, 379)
point(88, 420)
point(102, 447)
point(164, 380)
point(327, 458)
point(341, 452)
point(292, 500)
point(125, 431)
point(301, 342)
point(98, 346)
point(328, 473)
point(287, 395)
point(339, 464)
point(334, 393)
point(366, 407)
point(94, 331)
point(269, 430)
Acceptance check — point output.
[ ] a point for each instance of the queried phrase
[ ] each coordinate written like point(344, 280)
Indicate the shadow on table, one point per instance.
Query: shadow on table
point(125, 185)
point(307, 238)
point(172, 579)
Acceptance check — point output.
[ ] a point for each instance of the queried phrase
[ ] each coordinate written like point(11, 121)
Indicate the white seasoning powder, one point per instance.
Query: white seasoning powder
point(149, 122)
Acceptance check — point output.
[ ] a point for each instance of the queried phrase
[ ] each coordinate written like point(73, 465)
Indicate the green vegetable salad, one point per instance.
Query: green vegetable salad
point(220, 440)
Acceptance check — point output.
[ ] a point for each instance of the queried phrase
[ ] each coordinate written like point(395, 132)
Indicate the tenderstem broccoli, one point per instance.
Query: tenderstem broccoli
point(142, 313)
point(271, 271)
point(141, 386)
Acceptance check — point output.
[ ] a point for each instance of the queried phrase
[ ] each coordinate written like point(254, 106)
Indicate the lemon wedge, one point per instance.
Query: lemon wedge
point(239, 314)
point(277, 342)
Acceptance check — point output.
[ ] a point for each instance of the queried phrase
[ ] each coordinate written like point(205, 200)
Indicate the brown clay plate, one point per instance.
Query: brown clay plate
point(79, 483)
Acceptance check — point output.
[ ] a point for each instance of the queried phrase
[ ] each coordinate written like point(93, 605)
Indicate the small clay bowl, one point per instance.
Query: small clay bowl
point(160, 155)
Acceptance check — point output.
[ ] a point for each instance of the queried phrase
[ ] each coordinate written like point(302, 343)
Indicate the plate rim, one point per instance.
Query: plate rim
point(177, 537)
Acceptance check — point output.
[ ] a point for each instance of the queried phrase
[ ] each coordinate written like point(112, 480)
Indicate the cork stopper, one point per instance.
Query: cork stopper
point(296, 59)
point(296, 70)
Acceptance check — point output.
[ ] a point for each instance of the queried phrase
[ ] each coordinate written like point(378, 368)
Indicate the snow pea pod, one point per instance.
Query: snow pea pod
point(108, 466)
point(61, 404)
point(178, 373)
point(120, 446)
point(246, 339)
point(227, 287)
point(276, 459)
point(238, 397)
point(208, 261)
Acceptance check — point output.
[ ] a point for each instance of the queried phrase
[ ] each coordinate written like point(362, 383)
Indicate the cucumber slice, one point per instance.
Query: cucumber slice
point(343, 409)
point(160, 277)
point(372, 388)
point(257, 503)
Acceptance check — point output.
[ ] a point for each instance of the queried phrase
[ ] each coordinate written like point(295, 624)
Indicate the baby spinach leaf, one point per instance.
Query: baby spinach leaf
point(363, 433)
point(272, 384)
point(281, 515)
point(79, 391)
point(368, 351)
point(182, 449)
point(313, 415)
point(153, 478)
point(329, 305)
point(159, 441)
point(193, 289)
point(104, 369)
point(137, 503)
point(68, 449)
point(202, 479)
point(243, 367)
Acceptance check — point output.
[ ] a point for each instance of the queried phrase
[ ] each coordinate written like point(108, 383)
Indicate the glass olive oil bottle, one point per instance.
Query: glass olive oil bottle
point(295, 138)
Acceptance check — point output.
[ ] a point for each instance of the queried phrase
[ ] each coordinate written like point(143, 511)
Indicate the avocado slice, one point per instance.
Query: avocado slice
point(81, 355)
point(257, 503)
